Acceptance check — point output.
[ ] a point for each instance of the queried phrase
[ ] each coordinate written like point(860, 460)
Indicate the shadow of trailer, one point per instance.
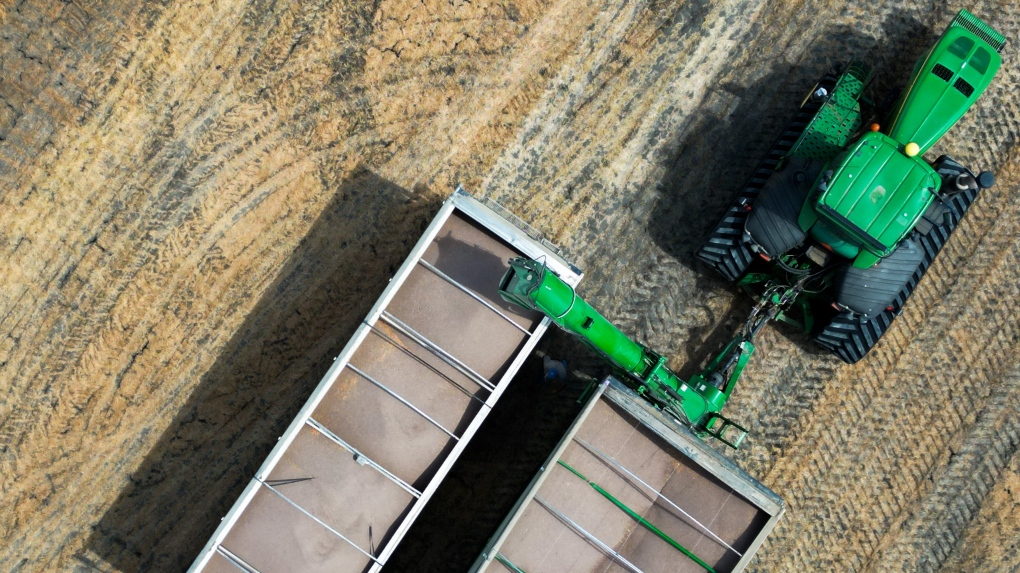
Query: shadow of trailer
point(396, 409)
point(630, 490)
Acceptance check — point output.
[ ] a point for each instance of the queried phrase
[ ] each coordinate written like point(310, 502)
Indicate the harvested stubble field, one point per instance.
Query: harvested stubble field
point(200, 200)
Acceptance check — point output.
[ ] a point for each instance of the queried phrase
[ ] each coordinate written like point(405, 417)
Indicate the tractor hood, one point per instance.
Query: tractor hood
point(876, 193)
point(947, 81)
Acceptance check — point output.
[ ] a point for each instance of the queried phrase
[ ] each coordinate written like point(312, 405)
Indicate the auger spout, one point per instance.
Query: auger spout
point(696, 402)
point(529, 284)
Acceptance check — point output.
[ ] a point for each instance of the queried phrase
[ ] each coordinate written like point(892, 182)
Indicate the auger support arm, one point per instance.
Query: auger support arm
point(696, 402)
point(530, 284)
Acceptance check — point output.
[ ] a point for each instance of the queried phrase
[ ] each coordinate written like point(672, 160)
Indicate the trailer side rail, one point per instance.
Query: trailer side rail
point(631, 490)
point(393, 413)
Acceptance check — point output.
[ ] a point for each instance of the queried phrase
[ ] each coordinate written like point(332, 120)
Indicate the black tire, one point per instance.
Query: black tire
point(850, 335)
point(772, 222)
point(870, 291)
point(726, 249)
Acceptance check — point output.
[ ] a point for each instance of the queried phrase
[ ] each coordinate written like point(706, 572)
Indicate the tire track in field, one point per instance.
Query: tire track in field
point(210, 139)
point(988, 545)
point(654, 300)
point(831, 442)
point(51, 45)
point(586, 176)
point(978, 461)
point(782, 392)
point(136, 281)
point(129, 297)
point(171, 161)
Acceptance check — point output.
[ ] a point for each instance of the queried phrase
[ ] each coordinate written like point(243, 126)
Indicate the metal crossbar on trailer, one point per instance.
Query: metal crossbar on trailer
point(396, 409)
point(631, 490)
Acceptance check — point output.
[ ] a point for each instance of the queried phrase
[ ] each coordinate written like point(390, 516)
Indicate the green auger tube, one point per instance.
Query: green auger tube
point(530, 284)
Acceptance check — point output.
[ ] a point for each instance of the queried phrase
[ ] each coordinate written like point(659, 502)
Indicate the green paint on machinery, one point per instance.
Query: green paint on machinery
point(947, 81)
point(696, 402)
point(853, 209)
point(872, 189)
point(831, 233)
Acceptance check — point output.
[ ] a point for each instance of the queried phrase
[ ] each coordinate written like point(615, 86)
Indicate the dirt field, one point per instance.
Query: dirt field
point(200, 201)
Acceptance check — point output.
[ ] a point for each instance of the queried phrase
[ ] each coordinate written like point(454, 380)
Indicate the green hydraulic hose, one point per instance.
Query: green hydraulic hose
point(648, 525)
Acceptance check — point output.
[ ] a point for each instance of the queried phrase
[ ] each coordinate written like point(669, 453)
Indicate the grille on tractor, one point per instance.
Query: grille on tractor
point(965, 88)
point(942, 72)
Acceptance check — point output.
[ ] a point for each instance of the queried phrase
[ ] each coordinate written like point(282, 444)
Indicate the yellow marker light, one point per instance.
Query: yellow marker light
point(875, 127)
point(911, 149)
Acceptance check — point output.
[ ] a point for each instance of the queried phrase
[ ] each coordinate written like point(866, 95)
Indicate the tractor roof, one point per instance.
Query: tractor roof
point(877, 193)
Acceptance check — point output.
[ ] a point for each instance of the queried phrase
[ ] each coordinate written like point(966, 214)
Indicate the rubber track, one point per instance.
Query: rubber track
point(772, 223)
point(725, 250)
point(851, 336)
point(869, 291)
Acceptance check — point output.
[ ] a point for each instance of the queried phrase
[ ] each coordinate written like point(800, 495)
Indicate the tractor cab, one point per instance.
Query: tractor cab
point(869, 199)
point(872, 194)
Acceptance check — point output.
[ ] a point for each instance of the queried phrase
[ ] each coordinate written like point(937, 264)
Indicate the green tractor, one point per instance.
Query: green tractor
point(851, 209)
point(833, 231)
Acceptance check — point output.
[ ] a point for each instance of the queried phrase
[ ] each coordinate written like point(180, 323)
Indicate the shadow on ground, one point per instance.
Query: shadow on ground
point(235, 414)
point(722, 148)
point(496, 467)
